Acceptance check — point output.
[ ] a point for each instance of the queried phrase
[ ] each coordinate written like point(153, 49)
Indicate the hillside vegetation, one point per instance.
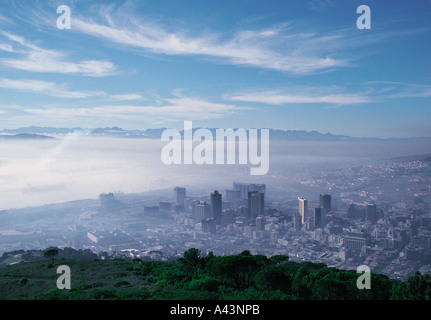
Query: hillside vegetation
point(196, 277)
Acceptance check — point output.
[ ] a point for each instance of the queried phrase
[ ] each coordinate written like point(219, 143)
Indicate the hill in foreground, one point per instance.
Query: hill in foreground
point(196, 277)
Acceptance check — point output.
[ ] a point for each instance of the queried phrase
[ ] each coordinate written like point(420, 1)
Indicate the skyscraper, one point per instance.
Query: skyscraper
point(325, 202)
point(303, 209)
point(180, 195)
point(255, 204)
point(201, 210)
point(297, 224)
point(317, 218)
point(216, 206)
point(371, 213)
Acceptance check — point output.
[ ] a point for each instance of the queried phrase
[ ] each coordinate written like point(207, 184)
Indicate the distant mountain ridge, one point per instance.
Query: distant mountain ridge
point(275, 134)
point(25, 136)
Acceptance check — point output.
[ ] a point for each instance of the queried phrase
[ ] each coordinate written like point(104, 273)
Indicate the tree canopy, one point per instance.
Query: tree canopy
point(196, 276)
point(50, 254)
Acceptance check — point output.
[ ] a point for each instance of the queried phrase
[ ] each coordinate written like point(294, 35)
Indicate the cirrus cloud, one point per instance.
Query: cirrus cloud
point(173, 109)
point(300, 96)
point(273, 49)
point(36, 59)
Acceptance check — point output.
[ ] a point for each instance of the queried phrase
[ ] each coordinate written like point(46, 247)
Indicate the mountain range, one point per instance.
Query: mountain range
point(35, 132)
point(25, 136)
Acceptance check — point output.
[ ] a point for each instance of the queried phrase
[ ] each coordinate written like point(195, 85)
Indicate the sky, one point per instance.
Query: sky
point(291, 65)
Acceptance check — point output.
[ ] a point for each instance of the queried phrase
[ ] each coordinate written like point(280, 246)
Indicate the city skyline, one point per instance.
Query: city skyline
point(208, 135)
point(388, 233)
point(250, 64)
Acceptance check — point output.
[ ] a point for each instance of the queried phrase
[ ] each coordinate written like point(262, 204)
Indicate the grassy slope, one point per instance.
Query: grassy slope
point(32, 279)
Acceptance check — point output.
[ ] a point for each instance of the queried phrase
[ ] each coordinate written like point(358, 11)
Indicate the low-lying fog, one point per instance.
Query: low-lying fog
point(36, 172)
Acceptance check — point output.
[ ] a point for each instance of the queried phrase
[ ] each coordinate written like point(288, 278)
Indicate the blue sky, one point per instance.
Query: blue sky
point(298, 65)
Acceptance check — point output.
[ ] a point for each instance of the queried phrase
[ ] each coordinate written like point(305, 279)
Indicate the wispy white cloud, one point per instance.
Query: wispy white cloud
point(275, 48)
point(46, 88)
point(372, 92)
point(299, 96)
point(36, 59)
point(173, 109)
point(7, 48)
point(61, 91)
point(397, 89)
point(127, 96)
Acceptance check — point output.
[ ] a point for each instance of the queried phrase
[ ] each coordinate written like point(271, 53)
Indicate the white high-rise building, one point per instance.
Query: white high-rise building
point(303, 209)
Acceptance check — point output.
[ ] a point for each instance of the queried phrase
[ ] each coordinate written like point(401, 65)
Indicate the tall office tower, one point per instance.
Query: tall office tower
point(317, 218)
point(303, 209)
point(216, 206)
point(297, 224)
point(325, 202)
point(371, 213)
point(255, 204)
point(201, 210)
point(180, 195)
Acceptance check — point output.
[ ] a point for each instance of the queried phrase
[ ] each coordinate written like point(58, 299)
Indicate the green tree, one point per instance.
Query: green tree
point(237, 270)
point(273, 278)
point(246, 253)
point(192, 260)
point(328, 288)
point(209, 257)
point(50, 254)
point(299, 284)
point(206, 283)
point(417, 287)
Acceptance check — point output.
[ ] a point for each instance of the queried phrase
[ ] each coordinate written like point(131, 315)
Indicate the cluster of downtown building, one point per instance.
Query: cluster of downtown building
point(245, 201)
point(313, 231)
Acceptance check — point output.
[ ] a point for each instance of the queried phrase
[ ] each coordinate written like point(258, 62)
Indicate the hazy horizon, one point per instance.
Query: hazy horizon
point(37, 172)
